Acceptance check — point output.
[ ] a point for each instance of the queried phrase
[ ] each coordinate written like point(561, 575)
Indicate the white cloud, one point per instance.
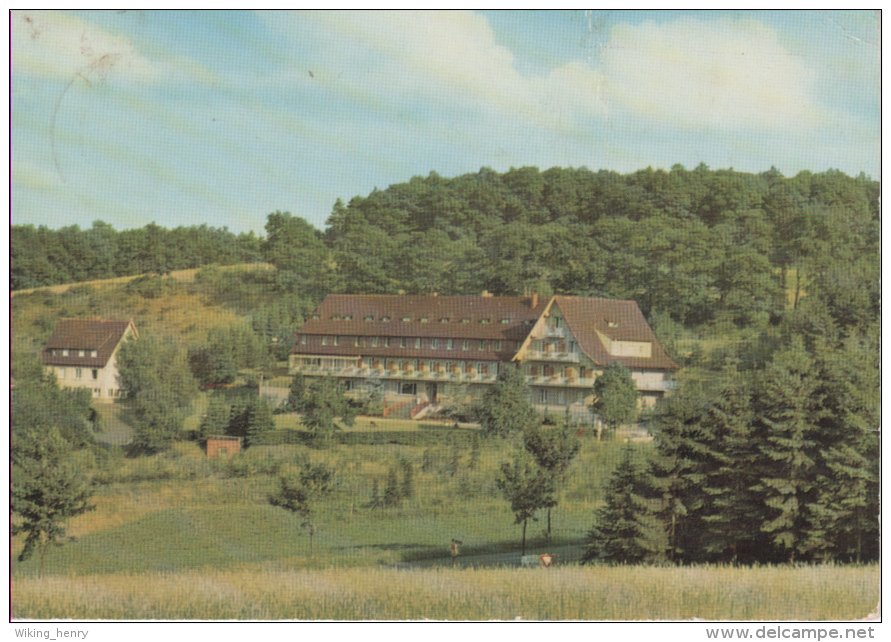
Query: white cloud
point(443, 60)
point(716, 74)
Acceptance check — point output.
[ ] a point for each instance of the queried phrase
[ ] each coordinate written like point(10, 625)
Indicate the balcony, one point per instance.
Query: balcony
point(552, 355)
point(551, 332)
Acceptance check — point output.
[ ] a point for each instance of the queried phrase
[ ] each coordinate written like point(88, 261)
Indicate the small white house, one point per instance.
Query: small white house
point(81, 353)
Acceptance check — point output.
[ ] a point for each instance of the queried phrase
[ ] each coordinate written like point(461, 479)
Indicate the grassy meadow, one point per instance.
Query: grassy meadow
point(565, 593)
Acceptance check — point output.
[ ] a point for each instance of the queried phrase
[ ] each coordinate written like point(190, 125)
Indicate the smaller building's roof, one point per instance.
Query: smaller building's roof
point(87, 335)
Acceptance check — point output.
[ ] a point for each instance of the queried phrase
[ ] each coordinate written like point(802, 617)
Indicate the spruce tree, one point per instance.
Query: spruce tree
point(787, 409)
point(626, 530)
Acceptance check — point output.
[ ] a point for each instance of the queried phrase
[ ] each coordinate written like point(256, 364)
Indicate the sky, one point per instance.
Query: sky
point(184, 118)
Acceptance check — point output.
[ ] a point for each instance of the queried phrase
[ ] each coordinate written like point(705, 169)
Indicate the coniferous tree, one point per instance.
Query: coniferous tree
point(391, 492)
point(408, 475)
point(626, 530)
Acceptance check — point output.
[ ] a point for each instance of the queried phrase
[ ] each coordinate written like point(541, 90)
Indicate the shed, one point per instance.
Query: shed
point(223, 445)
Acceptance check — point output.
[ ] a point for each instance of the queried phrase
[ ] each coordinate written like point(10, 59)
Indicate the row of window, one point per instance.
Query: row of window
point(387, 319)
point(408, 365)
point(64, 352)
point(416, 343)
point(78, 373)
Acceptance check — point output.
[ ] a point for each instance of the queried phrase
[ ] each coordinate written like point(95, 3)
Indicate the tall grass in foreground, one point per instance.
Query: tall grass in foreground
point(567, 593)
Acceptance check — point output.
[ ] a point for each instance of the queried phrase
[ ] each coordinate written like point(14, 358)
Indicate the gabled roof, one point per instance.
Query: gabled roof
point(460, 317)
point(74, 335)
point(618, 320)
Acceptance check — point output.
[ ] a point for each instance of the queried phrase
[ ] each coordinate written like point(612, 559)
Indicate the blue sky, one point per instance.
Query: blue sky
point(213, 117)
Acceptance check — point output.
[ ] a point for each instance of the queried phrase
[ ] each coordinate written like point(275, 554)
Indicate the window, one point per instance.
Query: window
point(348, 317)
point(613, 324)
point(303, 339)
point(94, 353)
point(65, 353)
point(97, 392)
point(406, 319)
point(498, 346)
point(61, 372)
point(316, 317)
point(402, 342)
point(336, 340)
point(385, 319)
point(356, 341)
point(484, 369)
point(464, 344)
point(80, 353)
point(465, 320)
point(450, 345)
point(95, 373)
point(78, 373)
point(324, 341)
point(444, 320)
point(485, 321)
point(386, 342)
point(373, 342)
point(505, 320)
point(482, 345)
point(408, 388)
point(335, 317)
point(434, 344)
point(369, 317)
point(417, 342)
point(424, 319)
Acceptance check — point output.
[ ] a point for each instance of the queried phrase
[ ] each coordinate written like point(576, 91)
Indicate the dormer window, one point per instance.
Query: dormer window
point(335, 317)
point(80, 353)
point(385, 319)
point(316, 317)
point(485, 321)
point(424, 319)
point(65, 353)
point(406, 319)
point(444, 320)
point(505, 320)
point(348, 317)
point(369, 317)
point(613, 324)
point(94, 353)
point(465, 320)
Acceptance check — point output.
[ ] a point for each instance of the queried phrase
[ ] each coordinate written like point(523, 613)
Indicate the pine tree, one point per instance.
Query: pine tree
point(408, 474)
point(626, 530)
point(216, 420)
point(474, 452)
point(258, 420)
point(787, 409)
point(391, 492)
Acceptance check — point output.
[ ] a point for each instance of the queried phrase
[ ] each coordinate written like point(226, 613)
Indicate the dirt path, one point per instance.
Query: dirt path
point(562, 555)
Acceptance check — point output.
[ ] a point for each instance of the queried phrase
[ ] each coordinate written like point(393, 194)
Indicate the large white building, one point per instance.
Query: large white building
point(430, 347)
point(81, 353)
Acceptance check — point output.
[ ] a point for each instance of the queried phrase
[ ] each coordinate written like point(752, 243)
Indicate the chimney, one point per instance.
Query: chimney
point(534, 300)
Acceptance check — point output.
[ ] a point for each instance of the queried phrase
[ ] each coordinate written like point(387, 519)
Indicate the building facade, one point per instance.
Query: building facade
point(434, 347)
point(81, 353)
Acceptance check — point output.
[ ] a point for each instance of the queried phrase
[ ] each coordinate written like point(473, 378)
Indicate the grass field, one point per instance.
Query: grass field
point(567, 593)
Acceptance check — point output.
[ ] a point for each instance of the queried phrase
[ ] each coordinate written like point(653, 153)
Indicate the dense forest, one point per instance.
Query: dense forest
point(696, 246)
point(41, 256)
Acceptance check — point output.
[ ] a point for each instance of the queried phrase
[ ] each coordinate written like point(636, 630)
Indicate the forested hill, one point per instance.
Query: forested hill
point(41, 256)
point(697, 246)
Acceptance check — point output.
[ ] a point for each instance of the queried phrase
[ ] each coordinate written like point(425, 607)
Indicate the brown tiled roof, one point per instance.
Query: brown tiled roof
point(344, 315)
point(620, 320)
point(102, 335)
point(445, 316)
